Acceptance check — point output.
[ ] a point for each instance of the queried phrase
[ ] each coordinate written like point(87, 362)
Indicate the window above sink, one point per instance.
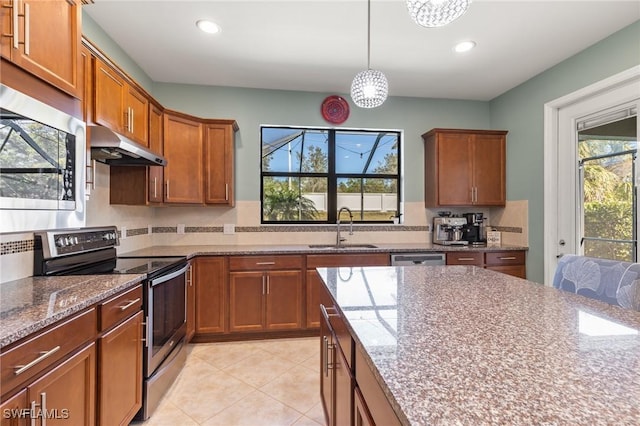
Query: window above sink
point(308, 173)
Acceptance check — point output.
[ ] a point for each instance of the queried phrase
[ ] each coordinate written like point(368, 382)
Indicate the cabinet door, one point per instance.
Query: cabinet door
point(68, 391)
point(313, 299)
point(343, 388)
point(48, 41)
point(326, 372)
point(210, 301)
point(246, 301)
point(109, 97)
point(489, 169)
point(361, 415)
point(183, 149)
point(120, 372)
point(283, 300)
point(454, 169)
point(156, 176)
point(137, 116)
point(219, 150)
point(12, 410)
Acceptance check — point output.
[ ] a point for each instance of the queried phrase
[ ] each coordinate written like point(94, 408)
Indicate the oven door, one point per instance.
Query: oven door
point(166, 316)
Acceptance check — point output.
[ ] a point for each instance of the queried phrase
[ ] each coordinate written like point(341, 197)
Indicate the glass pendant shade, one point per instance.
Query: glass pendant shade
point(369, 89)
point(436, 13)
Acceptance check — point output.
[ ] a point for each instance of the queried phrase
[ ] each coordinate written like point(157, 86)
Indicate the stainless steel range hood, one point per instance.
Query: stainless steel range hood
point(114, 149)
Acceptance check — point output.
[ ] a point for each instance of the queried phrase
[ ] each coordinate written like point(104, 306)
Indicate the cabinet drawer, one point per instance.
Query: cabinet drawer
point(24, 361)
point(122, 306)
point(505, 258)
point(467, 258)
point(264, 263)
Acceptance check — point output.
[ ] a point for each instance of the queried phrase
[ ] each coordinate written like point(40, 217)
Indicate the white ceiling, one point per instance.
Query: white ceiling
point(320, 45)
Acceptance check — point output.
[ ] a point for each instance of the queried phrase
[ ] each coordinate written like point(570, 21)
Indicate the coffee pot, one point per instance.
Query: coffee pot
point(474, 231)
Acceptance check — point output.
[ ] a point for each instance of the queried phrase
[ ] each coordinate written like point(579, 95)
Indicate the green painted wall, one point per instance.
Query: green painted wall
point(521, 111)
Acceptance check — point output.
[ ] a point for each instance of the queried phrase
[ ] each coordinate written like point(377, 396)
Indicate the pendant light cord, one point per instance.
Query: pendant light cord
point(368, 34)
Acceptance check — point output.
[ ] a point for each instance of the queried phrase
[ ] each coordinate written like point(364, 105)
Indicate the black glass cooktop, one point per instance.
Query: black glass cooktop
point(146, 265)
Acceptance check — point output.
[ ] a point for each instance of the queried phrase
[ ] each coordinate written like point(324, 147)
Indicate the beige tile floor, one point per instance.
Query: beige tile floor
point(265, 383)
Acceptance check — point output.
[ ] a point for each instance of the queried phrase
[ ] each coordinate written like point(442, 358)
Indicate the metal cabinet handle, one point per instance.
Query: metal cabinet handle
point(27, 30)
point(131, 119)
point(325, 349)
point(265, 263)
point(155, 189)
point(16, 22)
point(263, 284)
point(466, 258)
point(226, 192)
point(507, 258)
point(268, 284)
point(45, 354)
point(167, 185)
point(325, 312)
point(130, 304)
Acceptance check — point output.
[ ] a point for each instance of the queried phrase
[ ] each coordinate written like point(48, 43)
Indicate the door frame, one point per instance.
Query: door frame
point(587, 100)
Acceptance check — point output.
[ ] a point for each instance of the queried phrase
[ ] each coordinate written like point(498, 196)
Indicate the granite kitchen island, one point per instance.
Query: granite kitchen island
point(465, 345)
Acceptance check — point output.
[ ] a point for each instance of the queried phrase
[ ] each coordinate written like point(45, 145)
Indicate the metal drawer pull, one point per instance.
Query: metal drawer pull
point(265, 263)
point(130, 304)
point(466, 258)
point(45, 354)
point(325, 312)
point(507, 258)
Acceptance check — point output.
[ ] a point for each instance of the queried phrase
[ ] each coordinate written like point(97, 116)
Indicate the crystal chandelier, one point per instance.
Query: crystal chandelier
point(369, 88)
point(436, 13)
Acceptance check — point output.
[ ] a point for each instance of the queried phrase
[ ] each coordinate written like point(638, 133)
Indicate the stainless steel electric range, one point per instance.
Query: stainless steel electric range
point(90, 251)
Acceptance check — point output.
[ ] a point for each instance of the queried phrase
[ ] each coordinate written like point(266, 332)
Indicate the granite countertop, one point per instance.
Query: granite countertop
point(225, 250)
point(30, 304)
point(465, 345)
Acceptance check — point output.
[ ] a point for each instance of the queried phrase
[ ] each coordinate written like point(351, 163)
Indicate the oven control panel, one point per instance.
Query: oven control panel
point(73, 241)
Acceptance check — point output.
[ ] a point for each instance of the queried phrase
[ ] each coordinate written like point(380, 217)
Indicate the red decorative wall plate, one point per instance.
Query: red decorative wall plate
point(335, 109)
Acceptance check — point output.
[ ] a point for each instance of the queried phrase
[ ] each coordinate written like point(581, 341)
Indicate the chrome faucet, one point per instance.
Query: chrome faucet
point(339, 240)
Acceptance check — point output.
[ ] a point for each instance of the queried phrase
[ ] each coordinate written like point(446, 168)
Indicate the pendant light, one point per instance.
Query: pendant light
point(369, 88)
point(436, 13)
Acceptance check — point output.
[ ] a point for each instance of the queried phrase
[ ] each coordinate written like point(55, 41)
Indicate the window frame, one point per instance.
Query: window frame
point(333, 177)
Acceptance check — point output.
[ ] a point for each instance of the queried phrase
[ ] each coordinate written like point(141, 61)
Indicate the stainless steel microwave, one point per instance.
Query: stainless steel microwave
point(42, 165)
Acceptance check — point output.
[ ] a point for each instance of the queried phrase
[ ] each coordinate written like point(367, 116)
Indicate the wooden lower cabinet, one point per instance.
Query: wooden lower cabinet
point(361, 414)
point(210, 279)
point(13, 410)
point(265, 301)
point(66, 394)
point(336, 381)
point(511, 262)
point(120, 372)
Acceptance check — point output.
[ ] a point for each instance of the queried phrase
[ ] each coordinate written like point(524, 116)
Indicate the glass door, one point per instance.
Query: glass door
point(607, 151)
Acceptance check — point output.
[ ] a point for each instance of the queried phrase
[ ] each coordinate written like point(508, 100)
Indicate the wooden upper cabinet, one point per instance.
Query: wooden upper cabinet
point(118, 105)
point(46, 42)
point(465, 167)
point(219, 159)
point(109, 90)
point(183, 149)
point(156, 137)
point(136, 110)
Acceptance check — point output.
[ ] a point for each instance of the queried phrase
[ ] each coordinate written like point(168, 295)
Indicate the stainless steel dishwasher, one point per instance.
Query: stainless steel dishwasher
point(404, 259)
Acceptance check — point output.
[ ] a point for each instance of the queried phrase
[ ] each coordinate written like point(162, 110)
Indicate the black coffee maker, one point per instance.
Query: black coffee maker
point(474, 231)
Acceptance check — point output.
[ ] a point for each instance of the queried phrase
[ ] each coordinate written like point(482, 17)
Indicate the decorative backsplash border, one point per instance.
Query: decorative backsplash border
point(22, 246)
point(11, 247)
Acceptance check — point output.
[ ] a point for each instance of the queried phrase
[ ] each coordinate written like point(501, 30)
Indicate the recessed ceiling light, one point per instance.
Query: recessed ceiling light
point(208, 26)
point(464, 46)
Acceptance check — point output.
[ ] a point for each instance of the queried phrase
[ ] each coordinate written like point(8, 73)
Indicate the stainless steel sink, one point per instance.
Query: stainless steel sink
point(341, 246)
